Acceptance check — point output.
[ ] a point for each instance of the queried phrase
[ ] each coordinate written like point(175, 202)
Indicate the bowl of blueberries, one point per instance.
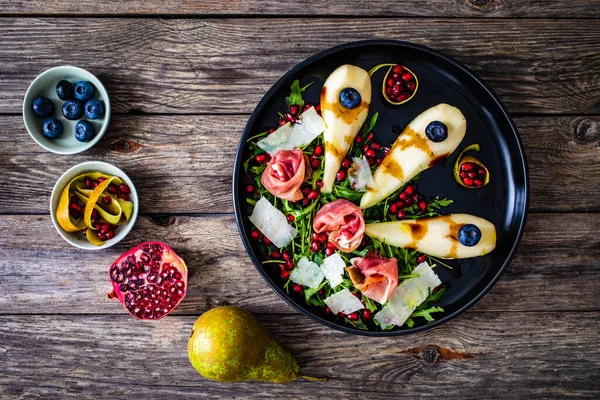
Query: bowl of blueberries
point(66, 110)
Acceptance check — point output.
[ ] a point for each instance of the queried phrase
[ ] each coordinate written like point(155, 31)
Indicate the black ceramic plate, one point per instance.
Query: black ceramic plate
point(441, 80)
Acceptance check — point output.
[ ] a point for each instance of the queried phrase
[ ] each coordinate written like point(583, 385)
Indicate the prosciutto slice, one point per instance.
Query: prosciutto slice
point(343, 221)
point(376, 277)
point(285, 173)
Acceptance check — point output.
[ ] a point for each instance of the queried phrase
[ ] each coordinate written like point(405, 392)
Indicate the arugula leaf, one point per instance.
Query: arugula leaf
point(369, 127)
point(427, 313)
point(295, 97)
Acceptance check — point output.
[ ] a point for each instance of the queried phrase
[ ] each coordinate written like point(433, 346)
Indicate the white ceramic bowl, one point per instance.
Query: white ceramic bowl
point(45, 85)
point(75, 238)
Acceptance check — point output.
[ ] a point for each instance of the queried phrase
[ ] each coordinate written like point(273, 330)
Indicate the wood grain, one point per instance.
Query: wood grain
point(226, 65)
point(556, 267)
point(514, 355)
point(420, 8)
point(190, 158)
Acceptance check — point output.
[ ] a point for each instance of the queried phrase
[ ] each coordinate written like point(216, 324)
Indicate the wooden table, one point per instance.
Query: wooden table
point(183, 77)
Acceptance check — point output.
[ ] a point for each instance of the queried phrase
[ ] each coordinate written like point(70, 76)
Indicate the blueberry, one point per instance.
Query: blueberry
point(94, 109)
point(469, 235)
point(349, 98)
point(84, 91)
point(64, 90)
point(72, 109)
point(84, 131)
point(43, 107)
point(52, 128)
point(436, 131)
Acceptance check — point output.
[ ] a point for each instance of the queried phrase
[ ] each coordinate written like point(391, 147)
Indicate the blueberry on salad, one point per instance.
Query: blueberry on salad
point(72, 109)
point(52, 128)
point(349, 98)
point(84, 91)
point(84, 131)
point(43, 107)
point(94, 109)
point(469, 235)
point(436, 131)
point(64, 90)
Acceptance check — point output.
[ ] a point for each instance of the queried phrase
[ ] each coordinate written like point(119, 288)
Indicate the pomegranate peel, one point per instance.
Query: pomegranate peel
point(150, 280)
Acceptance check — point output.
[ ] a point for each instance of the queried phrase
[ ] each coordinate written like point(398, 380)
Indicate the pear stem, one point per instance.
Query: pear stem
point(314, 379)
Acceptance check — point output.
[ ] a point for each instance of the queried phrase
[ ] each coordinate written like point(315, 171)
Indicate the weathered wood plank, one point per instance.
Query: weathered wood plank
point(427, 8)
point(483, 356)
point(226, 65)
point(190, 158)
point(556, 267)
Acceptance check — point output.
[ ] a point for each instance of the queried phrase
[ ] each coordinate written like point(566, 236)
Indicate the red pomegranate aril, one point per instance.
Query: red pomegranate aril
point(315, 163)
point(346, 163)
point(472, 174)
point(124, 189)
point(378, 160)
point(463, 174)
point(341, 315)
point(105, 228)
point(271, 130)
point(400, 204)
point(370, 136)
point(358, 139)
point(289, 264)
point(110, 235)
point(412, 86)
point(250, 189)
point(318, 108)
point(112, 189)
point(101, 235)
point(323, 237)
point(286, 256)
point(314, 247)
point(370, 153)
point(305, 190)
point(298, 288)
point(261, 158)
point(478, 182)
point(314, 237)
point(282, 122)
point(403, 96)
point(396, 90)
point(123, 196)
point(290, 118)
point(275, 254)
point(294, 109)
point(95, 184)
point(318, 151)
point(340, 176)
point(327, 310)
point(402, 196)
point(329, 252)
point(390, 82)
point(409, 190)
point(366, 315)
point(353, 316)
point(468, 181)
point(370, 161)
point(388, 91)
point(386, 150)
point(421, 258)
point(482, 172)
point(266, 240)
point(365, 147)
point(291, 218)
point(285, 274)
point(393, 208)
point(407, 76)
point(398, 69)
point(467, 166)
point(255, 234)
point(375, 146)
point(423, 205)
point(401, 214)
point(74, 207)
point(87, 181)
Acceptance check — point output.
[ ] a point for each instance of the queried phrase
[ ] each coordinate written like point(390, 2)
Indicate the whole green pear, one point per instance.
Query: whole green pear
point(229, 345)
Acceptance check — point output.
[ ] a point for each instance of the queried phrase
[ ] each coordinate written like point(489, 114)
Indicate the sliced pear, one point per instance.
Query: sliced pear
point(342, 123)
point(414, 152)
point(437, 237)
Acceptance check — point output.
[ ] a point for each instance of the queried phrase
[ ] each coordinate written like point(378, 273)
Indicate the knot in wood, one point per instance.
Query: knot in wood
point(587, 130)
point(163, 221)
point(431, 354)
point(479, 3)
point(125, 146)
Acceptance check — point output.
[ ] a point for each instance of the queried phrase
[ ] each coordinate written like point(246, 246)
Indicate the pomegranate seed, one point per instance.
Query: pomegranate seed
point(275, 254)
point(398, 69)
point(83, 232)
point(412, 86)
point(468, 181)
point(400, 214)
point(315, 163)
point(478, 182)
point(327, 310)
point(290, 118)
point(386, 150)
point(353, 316)
point(400, 204)
point(370, 161)
point(109, 235)
point(282, 122)
point(319, 184)
point(101, 179)
point(286, 256)
point(421, 258)
point(74, 207)
point(379, 160)
point(318, 108)
point(436, 289)
point(291, 218)
point(101, 236)
point(314, 237)
point(466, 166)
point(323, 237)
point(255, 234)
point(285, 274)
point(403, 96)
point(289, 264)
point(415, 198)
point(340, 176)
point(407, 76)
point(112, 189)
point(94, 214)
point(74, 213)
point(328, 252)
point(105, 228)
point(370, 136)
point(294, 109)
point(396, 90)
point(341, 315)
point(358, 139)
point(393, 208)
point(305, 202)
point(402, 196)
point(305, 190)
point(423, 205)
point(331, 245)
point(390, 82)
point(271, 130)
point(107, 200)
point(123, 196)
point(396, 76)
point(87, 182)
point(266, 240)
point(95, 184)
point(314, 247)
point(410, 190)
point(370, 153)
point(250, 188)
point(365, 148)
point(463, 174)
point(363, 242)
point(318, 151)
point(261, 158)
point(124, 189)
point(321, 292)
point(298, 288)
point(366, 314)
point(482, 172)
point(346, 163)
point(282, 267)
point(375, 146)
point(472, 174)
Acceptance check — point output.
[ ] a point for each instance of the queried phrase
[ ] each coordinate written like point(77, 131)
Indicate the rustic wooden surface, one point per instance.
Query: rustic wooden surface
point(183, 77)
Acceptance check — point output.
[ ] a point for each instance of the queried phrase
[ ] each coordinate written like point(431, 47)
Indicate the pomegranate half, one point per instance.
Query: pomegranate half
point(150, 280)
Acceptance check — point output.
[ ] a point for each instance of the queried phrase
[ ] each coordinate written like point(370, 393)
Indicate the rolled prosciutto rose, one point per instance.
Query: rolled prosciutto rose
point(376, 277)
point(343, 221)
point(285, 173)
